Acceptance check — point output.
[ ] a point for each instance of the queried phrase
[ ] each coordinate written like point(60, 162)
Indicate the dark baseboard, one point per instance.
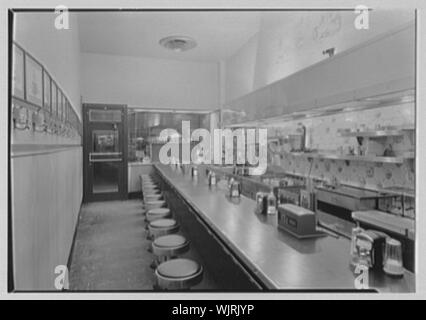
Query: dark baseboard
point(69, 261)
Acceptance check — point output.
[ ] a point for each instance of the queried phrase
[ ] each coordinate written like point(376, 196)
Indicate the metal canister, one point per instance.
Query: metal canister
point(212, 178)
point(235, 190)
point(194, 171)
point(260, 198)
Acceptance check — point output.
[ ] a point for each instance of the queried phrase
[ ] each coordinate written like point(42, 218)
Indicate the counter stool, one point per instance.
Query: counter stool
point(152, 196)
point(149, 189)
point(146, 183)
point(178, 274)
point(154, 204)
point(162, 227)
point(157, 213)
point(168, 247)
point(152, 199)
point(145, 179)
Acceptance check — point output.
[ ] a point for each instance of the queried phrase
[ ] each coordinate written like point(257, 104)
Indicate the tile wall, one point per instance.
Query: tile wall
point(322, 135)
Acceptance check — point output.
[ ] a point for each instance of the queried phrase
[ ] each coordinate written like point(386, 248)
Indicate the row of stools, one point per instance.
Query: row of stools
point(171, 271)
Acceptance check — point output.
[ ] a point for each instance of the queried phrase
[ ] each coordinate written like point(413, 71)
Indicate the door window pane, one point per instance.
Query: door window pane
point(105, 141)
point(105, 177)
point(105, 115)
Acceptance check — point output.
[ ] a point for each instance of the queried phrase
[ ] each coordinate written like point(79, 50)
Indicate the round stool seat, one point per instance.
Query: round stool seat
point(178, 274)
point(155, 204)
point(163, 223)
point(162, 227)
point(150, 191)
point(158, 213)
point(152, 197)
point(170, 245)
point(150, 188)
point(147, 181)
point(148, 184)
point(170, 241)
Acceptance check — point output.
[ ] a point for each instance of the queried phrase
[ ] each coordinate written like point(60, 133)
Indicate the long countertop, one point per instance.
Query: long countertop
point(278, 259)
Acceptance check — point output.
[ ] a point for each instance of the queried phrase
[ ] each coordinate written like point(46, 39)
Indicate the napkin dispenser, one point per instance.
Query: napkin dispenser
point(299, 222)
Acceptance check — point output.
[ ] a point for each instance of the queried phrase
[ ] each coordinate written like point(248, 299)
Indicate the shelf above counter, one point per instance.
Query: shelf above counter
point(334, 156)
point(397, 132)
point(372, 134)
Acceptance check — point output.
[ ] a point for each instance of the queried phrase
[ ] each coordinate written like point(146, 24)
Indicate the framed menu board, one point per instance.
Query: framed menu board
point(33, 81)
point(67, 110)
point(60, 104)
point(47, 89)
point(18, 72)
point(72, 117)
point(63, 107)
point(54, 109)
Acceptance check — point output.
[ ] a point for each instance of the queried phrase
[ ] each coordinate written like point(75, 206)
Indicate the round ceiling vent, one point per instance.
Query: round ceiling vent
point(178, 43)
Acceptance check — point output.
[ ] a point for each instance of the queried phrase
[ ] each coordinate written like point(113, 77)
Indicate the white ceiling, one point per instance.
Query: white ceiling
point(218, 34)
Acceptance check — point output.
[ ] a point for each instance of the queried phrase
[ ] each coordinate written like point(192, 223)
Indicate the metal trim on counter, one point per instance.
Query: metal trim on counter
point(280, 261)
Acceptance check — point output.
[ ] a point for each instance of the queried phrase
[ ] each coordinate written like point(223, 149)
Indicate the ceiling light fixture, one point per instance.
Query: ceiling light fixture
point(178, 43)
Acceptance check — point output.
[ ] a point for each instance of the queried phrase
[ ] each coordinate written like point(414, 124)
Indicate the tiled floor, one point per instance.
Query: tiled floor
point(110, 250)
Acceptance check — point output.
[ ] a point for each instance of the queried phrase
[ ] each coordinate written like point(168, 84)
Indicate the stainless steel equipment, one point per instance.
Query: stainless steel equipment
point(354, 252)
point(334, 206)
point(296, 142)
point(289, 194)
point(370, 245)
point(307, 199)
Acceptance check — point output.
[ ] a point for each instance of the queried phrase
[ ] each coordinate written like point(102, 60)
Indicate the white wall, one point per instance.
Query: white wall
point(285, 46)
point(47, 194)
point(57, 50)
point(47, 185)
point(149, 82)
point(240, 70)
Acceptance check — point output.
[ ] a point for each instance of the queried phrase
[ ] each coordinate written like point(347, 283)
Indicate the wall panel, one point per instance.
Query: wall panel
point(47, 193)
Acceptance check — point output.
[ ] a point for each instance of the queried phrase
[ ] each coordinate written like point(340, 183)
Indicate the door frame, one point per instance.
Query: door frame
point(122, 194)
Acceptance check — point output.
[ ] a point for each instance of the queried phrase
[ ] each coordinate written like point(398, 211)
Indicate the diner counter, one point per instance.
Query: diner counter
point(277, 259)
